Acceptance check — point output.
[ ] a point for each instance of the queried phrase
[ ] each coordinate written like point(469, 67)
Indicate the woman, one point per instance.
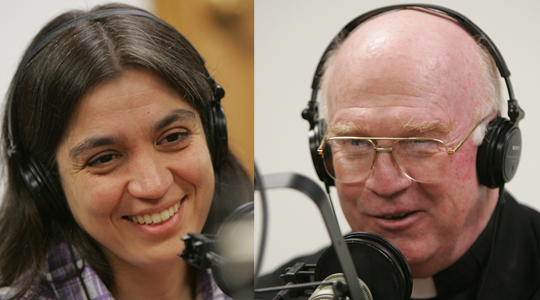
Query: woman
point(115, 149)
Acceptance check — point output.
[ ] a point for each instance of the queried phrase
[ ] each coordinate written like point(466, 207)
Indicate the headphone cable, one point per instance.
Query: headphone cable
point(74, 263)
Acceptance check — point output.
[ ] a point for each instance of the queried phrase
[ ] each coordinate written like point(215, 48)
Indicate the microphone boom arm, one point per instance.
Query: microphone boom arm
point(318, 195)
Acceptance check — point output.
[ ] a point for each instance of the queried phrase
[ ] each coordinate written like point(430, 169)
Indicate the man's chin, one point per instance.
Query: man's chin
point(419, 256)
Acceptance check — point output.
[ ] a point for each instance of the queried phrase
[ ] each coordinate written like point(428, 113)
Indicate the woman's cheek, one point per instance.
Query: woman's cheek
point(195, 167)
point(197, 170)
point(94, 199)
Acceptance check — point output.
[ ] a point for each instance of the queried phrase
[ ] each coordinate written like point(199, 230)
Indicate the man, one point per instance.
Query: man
point(416, 73)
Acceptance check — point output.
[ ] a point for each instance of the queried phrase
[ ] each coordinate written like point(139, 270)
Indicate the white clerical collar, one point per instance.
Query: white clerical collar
point(423, 288)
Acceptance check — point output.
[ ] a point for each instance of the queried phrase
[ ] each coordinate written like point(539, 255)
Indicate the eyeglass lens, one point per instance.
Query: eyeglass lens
point(353, 159)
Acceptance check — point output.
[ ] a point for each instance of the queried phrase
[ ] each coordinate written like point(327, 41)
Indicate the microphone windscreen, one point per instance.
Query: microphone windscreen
point(235, 240)
point(378, 263)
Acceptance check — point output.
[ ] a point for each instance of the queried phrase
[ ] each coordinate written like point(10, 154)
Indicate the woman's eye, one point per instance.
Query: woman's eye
point(102, 160)
point(175, 138)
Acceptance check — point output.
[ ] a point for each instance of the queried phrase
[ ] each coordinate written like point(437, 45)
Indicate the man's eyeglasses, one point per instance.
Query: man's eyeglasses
point(351, 159)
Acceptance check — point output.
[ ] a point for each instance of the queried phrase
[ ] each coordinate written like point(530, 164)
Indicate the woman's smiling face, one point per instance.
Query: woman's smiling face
point(136, 170)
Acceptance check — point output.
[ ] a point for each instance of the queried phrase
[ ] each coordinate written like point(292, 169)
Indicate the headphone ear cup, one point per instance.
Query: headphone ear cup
point(218, 128)
point(507, 154)
point(316, 135)
point(498, 155)
point(485, 151)
point(44, 189)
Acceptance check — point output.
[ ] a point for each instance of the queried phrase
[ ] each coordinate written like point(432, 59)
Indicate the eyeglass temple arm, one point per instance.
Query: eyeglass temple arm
point(452, 151)
point(321, 146)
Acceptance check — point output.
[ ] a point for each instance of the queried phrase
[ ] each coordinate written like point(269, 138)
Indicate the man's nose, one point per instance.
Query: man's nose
point(150, 177)
point(386, 178)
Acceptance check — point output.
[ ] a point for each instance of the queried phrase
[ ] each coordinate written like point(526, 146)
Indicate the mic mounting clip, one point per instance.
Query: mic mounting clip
point(199, 251)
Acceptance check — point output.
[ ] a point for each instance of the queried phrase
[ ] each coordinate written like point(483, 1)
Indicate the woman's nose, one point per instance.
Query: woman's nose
point(386, 178)
point(150, 177)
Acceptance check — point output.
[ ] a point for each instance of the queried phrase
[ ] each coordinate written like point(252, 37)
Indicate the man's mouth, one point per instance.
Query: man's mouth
point(156, 218)
point(396, 217)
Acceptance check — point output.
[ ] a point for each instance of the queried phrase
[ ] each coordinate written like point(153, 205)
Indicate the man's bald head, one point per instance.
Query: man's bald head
point(433, 48)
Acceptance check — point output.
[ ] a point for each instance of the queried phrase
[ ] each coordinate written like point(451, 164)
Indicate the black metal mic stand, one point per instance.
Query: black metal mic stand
point(318, 195)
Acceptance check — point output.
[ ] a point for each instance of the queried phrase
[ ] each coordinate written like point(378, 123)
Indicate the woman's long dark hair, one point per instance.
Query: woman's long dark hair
point(91, 52)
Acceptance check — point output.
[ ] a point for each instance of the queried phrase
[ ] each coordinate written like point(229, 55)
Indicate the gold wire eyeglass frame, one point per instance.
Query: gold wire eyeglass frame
point(449, 151)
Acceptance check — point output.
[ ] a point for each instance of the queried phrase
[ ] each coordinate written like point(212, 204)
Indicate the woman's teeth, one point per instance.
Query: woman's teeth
point(156, 218)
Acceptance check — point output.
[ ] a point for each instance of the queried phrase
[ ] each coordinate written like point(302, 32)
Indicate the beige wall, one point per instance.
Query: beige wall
point(222, 31)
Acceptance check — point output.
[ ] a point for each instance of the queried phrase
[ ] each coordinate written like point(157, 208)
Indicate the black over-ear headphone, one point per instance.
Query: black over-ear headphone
point(498, 155)
point(45, 188)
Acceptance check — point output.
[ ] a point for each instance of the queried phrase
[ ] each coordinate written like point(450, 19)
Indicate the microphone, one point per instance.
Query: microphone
point(383, 273)
point(229, 254)
point(327, 291)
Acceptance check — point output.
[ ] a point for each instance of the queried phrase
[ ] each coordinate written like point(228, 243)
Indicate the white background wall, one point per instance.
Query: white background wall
point(290, 37)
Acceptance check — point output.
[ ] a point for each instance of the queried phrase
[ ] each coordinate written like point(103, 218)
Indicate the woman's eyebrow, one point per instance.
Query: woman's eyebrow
point(175, 115)
point(92, 142)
